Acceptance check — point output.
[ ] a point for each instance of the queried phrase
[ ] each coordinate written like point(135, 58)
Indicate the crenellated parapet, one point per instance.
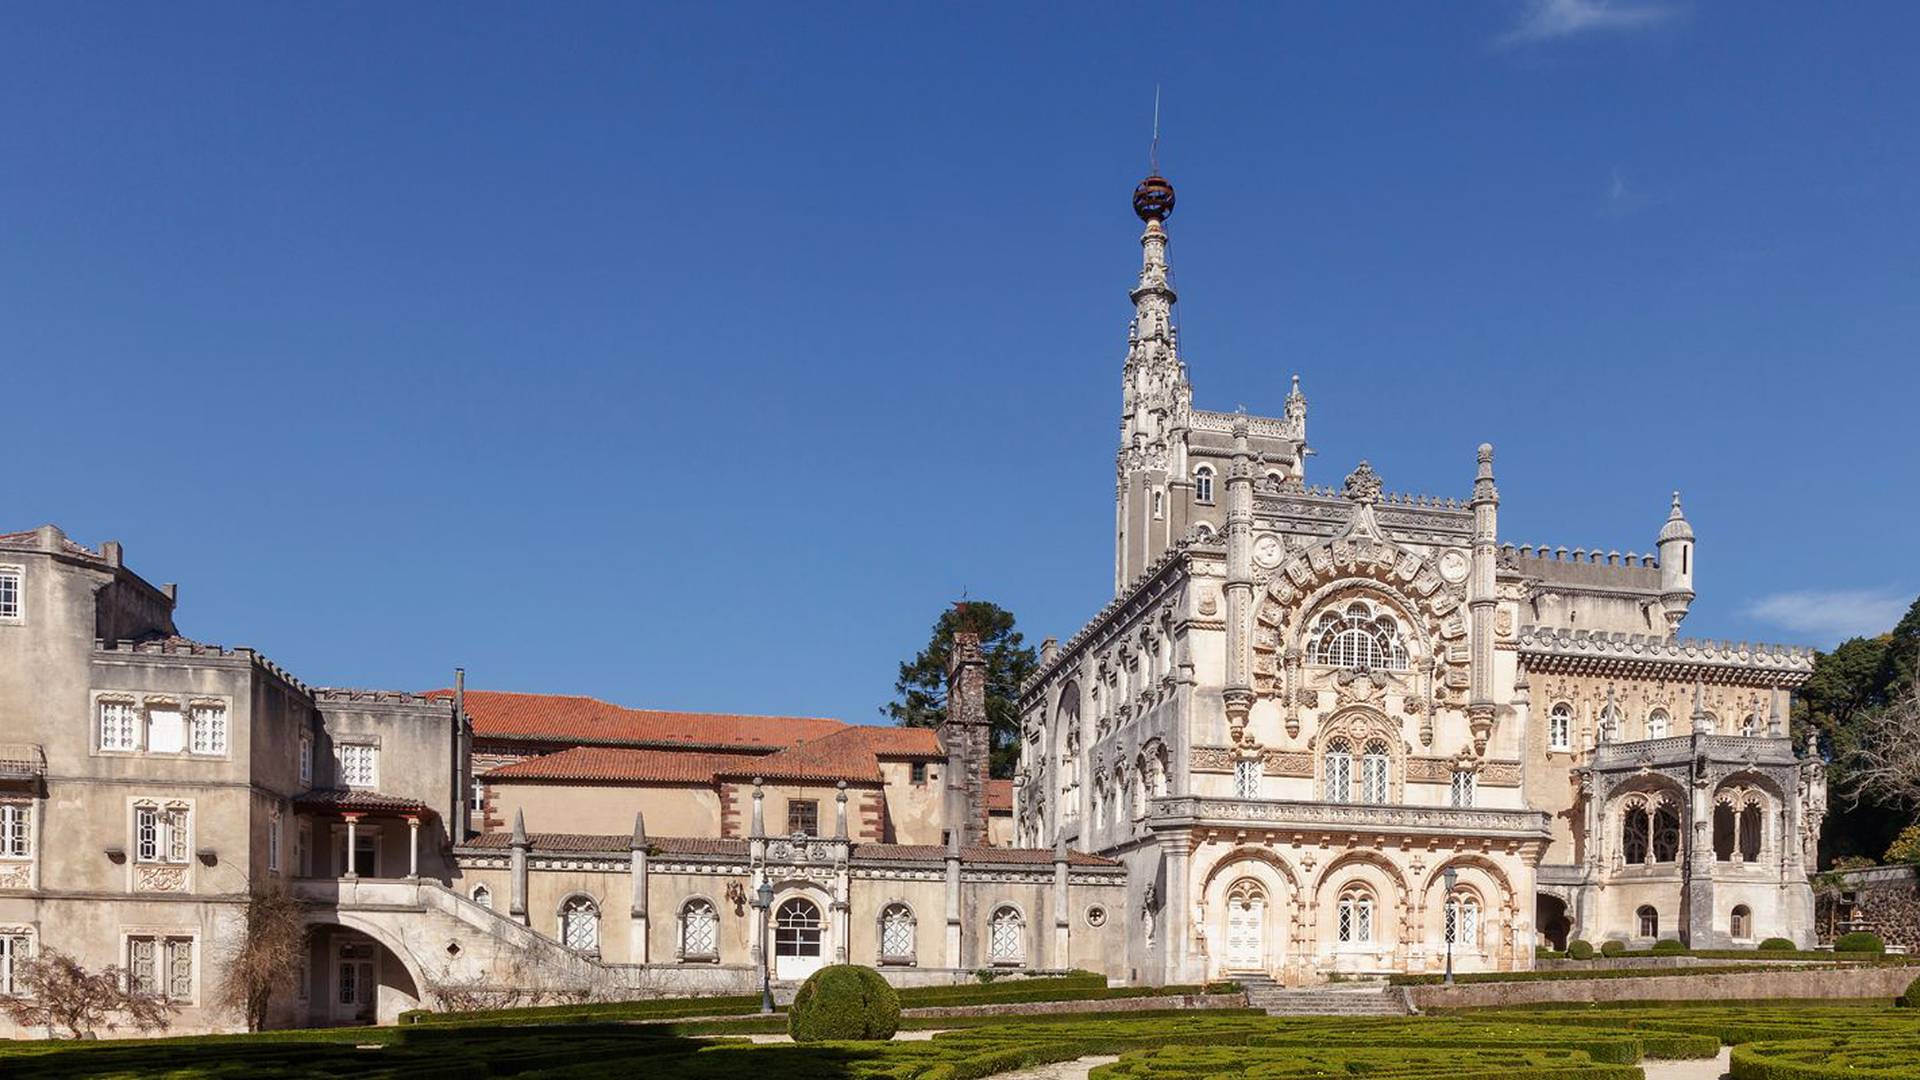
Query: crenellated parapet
point(1556, 651)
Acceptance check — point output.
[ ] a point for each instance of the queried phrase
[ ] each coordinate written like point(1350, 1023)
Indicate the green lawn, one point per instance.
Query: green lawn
point(1777, 1041)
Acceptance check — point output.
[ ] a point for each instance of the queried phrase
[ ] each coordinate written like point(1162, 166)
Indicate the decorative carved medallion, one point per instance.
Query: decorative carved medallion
point(1267, 551)
point(1453, 565)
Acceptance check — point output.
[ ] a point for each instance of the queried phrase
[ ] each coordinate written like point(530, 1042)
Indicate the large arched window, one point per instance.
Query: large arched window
point(1666, 832)
point(896, 934)
point(1751, 822)
point(796, 929)
point(1740, 923)
point(1339, 771)
point(1203, 483)
point(1361, 636)
point(1373, 772)
point(580, 924)
point(699, 931)
point(1462, 919)
point(1649, 921)
point(1560, 726)
point(1723, 832)
point(1356, 916)
point(1636, 832)
point(1006, 936)
point(1658, 726)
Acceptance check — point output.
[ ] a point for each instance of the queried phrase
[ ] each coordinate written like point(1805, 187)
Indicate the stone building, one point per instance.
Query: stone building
point(1346, 730)
point(149, 784)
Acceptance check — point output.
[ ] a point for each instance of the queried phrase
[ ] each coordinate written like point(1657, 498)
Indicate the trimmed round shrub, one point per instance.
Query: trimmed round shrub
point(1579, 950)
point(1910, 999)
point(1778, 944)
point(1669, 947)
point(1859, 941)
point(844, 1001)
point(1613, 947)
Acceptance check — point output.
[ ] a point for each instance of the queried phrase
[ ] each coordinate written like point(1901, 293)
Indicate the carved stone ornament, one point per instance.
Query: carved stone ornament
point(148, 878)
point(1208, 604)
point(1453, 565)
point(1362, 485)
point(1267, 551)
point(16, 875)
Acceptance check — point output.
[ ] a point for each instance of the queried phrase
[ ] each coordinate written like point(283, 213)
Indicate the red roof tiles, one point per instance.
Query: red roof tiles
point(615, 764)
point(356, 801)
point(999, 796)
point(570, 718)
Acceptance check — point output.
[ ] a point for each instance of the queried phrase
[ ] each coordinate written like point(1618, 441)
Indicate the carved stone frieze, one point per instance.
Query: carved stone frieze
point(154, 878)
point(16, 875)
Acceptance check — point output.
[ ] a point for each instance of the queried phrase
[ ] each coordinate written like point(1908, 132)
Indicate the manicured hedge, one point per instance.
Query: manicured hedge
point(1860, 941)
point(1910, 999)
point(1668, 947)
point(1613, 947)
point(1600, 973)
point(1580, 950)
point(1778, 944)
point(844, 1001)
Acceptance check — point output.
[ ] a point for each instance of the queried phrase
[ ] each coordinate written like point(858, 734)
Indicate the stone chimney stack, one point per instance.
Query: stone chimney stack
point(966, 737)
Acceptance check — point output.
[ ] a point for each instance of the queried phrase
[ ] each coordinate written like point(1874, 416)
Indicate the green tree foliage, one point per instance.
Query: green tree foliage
point(844, 1001)
point(1905, 847)
point(1850, 687)
point(921, 690)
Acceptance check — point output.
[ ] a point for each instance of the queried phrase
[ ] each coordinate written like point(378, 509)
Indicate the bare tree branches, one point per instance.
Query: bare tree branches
point(1884, 766)
point(267, 958)
point(57, 993)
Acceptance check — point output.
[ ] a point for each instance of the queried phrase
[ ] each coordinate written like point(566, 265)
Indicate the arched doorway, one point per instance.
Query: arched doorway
point(1551, 921)
point(1246, 926)
point(796, 939)
point(352, 978)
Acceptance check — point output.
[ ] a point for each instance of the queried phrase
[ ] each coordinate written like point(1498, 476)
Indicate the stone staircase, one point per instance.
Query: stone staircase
point(1365, 997)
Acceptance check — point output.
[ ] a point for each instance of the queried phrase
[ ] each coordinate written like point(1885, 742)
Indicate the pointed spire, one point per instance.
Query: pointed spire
point(519, 837)
point(639, 831)
point(1677, 526)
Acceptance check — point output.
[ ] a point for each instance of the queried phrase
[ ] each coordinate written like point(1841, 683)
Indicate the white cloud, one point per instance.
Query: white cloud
point(1833, 614)
point(1549, 20)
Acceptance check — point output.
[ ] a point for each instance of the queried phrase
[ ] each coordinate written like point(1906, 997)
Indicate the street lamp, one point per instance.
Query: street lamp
point(1450, 918)
point(763, 901)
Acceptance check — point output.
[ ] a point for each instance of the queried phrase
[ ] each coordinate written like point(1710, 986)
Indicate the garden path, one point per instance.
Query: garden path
point(1695, 1069)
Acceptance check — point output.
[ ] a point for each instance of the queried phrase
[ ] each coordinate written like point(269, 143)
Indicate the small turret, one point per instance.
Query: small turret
point(1676, 567)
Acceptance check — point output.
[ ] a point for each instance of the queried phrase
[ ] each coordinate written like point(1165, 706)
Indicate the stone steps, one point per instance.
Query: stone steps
point(1371, 997)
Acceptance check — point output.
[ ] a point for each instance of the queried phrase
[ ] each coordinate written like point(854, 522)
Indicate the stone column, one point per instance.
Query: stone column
point(1481, 600)
point(954, 959)
point(353, 836)
point(1061, 916)
point(1238, 692)
point(517, 894)
point(638, 909)
point(1179, 906)
point(413, 847)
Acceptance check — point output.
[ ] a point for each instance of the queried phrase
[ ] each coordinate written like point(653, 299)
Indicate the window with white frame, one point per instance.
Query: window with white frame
point(160, 833)
point(16, 833)
point(580, 924)
point(162, 965)
point(1463, 920)
point(1246, 778)
point(1560, 726)
point(1373, 772)
point(11, 607)
point(1339, 766)
point(166, 727)
point(896, 933)
point(1750, 727)
point(1006, 937)
point(1609, 723)
point(1203, 483)
point(15, 949)
point(1361, 636)
point(1356, 917)
point(1658, 725)
point(358, 764)
point(306, 760)
point(207, 728)
point(273, 840)
point(1464, 784)
point(699, 931)
point(479, 795)
point(119, 724)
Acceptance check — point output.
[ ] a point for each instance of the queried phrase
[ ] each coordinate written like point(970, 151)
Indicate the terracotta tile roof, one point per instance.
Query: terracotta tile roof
point(353, 800)
point(974, 853)
point(846, 754)
point(618, 764)
point(902, 742)
point(591, 842)
point(570, 718)
point(999, 796)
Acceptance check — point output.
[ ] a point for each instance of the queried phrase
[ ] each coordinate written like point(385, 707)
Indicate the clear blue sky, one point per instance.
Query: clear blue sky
point(696, 357)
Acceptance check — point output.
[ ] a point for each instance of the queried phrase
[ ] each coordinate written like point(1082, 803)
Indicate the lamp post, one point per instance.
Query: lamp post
point(1450, 918)
point(762, 903)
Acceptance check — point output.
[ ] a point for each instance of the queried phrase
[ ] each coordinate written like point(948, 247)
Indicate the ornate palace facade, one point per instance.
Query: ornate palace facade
point(1340, 729)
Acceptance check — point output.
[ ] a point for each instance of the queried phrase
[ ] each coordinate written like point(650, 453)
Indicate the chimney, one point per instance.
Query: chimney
point(966, 736)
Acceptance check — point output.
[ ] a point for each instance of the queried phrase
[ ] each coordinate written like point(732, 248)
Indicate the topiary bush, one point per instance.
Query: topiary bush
point(1580, 950)
point(1613, 947)
point(1859, 941)
point(844, 1001)
point(1910, 999)
point(1669, 947)
point(1778, 944)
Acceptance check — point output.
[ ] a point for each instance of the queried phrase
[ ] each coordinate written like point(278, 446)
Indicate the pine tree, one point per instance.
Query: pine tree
point(921, 690)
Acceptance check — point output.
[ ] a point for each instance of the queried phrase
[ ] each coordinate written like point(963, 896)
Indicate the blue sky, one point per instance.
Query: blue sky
point(696, 357)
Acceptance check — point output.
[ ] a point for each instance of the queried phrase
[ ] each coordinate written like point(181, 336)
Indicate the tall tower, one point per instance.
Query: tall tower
point(1676, 567)
point(1156, 400)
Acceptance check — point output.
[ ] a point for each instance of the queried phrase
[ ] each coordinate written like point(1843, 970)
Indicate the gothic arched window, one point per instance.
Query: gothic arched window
point(1750, 727)
point(699, 931)
point(1636, 833)
point(1609, 723)
point(1356, 916)
point(1723, 832)
point(896, 933)
point(1560, 726)
point(1666, 832)
point(1750, 826)
point(1006, 936)
point(1740, 922)
point(1339, 786)
point(1373, 772)
point(1658, 725)
point(580, 924)
point(1462, 919)
point(1649, 921)
point(1203, 483)
point(1361, 636)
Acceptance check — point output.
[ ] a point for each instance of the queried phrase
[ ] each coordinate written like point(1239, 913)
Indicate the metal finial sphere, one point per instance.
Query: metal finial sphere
point(1153, 199)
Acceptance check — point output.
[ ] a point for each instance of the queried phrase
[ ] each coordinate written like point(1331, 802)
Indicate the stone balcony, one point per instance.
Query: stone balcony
point(1286, 814)
point(1678, 749)
point(22, 761)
